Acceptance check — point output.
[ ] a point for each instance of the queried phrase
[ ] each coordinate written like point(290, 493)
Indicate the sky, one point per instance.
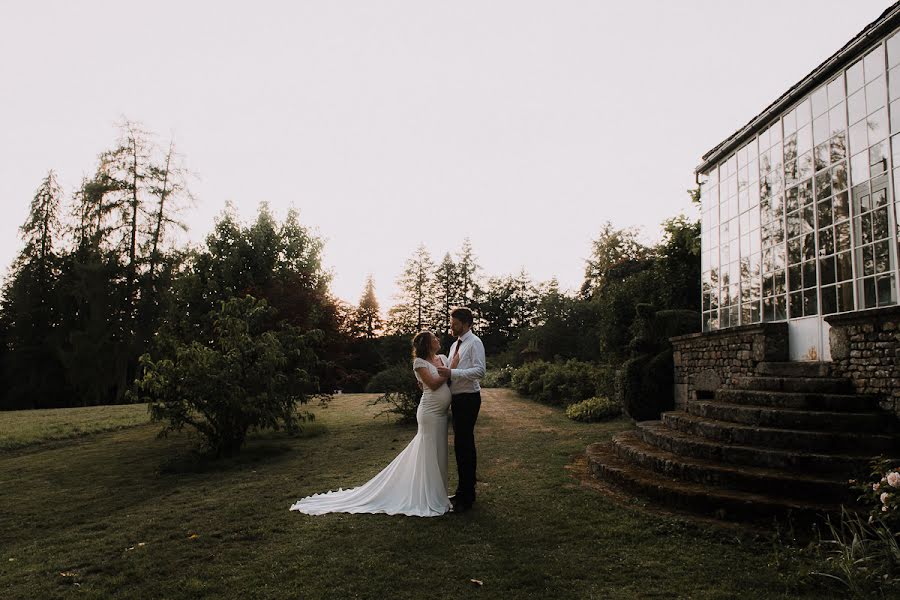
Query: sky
point(522, 125)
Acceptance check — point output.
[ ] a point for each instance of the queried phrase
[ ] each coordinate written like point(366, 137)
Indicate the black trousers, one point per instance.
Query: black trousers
point(465, 413)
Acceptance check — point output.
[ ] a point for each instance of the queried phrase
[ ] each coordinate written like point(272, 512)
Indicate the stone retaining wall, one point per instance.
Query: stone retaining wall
point(865, 347)
point(707, 361)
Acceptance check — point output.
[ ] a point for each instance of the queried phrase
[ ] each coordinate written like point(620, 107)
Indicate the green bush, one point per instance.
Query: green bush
point(559, 383)
point(399, 391)
point(250, 376)
point(498, 378)
point(594, 409)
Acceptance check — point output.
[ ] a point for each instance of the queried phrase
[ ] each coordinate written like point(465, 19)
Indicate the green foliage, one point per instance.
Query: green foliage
point(559, 383)
point(881, 492)
point(398, 389)
point(250, 376)
point(498, 378)
point(598, 408)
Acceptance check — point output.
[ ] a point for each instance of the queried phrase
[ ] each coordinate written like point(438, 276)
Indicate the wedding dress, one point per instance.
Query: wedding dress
point(415, 483)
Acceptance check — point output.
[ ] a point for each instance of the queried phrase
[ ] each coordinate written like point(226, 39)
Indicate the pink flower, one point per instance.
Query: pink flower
point(884, 509)
point(884, 497)
point(876, 487)
point(893, 478)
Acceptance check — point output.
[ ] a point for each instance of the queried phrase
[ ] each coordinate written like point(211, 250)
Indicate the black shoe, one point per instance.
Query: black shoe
point(460, 507)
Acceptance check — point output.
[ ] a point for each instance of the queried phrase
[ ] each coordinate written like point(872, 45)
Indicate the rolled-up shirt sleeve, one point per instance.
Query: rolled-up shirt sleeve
point(476, 371)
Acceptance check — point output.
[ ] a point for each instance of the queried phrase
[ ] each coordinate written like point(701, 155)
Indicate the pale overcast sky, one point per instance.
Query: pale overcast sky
point(520, 124)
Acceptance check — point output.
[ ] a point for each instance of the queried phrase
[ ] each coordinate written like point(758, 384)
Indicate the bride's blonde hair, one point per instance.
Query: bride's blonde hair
point(421, 345)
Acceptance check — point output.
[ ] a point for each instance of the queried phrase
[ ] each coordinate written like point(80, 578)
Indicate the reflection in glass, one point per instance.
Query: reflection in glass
point(878, 127)
point(821, 130)
point(837, 119)
point(822, 156)
point(859, 167)
point(842, 236)
point(819, 100)
point(856, 106)
point(841, 203)
point(859, 137)
point(838, 147)
point(829, 300)
point(878, 159)
point(895, 116)
point(844, 267)
point(875, 93)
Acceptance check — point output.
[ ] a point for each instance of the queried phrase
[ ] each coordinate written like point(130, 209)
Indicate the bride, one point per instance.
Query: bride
point(415, 483)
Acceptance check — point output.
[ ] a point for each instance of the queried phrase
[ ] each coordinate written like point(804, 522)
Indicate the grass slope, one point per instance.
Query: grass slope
point(115, 516)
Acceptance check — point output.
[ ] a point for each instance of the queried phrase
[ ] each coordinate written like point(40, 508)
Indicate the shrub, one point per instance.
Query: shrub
point(560, 383)
point(497, 378)
point(594, 409)
point(250, 376)
point(399, 391)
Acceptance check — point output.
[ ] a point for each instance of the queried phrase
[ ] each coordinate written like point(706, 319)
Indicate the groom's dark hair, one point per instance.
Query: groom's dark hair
point(462, 314)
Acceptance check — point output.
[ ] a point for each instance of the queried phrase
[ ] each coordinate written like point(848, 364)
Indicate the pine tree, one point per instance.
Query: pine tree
point(368, 316)
point(417, 305)
point(467, 271)
point(448, 291)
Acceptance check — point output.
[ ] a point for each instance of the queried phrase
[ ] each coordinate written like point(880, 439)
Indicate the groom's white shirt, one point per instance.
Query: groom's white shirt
point(464, 378)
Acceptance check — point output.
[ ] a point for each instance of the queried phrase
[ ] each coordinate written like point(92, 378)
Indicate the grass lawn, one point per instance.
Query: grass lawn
point(20, 428)
point(118, 514)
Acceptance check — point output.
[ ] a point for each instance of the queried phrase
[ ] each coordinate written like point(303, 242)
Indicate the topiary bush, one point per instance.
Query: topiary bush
point(598, 408)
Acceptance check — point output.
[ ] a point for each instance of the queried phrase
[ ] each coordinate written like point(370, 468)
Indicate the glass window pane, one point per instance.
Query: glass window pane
point(824, 215)
point(841, 205)
point(893, 50)
point(878, 127)
point(886, 290)
point(844, 267)
point(822, 156)
point(845, 296)
point(859, 137)
point(819, 101)
point(826, 270)
point(894, 84)
point(804, 139)
point(829, 300)
point(868, 289)
point(821, 129)
point(810, 302)
point(790, 122)
point(859, 167)
point(855, 78)
point(895, 116)
point(838, 178)
point(826, 242)
point(875, 95)
point(874, 62)
point(838, 147)
point(790, 147)
point(838, 119)
point(878, 159)
point(856, 106)
point(803, 113)
point(836, 90)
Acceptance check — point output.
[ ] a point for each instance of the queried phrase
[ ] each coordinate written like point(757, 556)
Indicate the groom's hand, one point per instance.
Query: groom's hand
point(443, 371)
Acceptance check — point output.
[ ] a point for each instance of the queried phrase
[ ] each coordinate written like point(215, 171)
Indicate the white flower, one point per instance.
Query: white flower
point(893, 478)
point(884, 497)
point(884, 509)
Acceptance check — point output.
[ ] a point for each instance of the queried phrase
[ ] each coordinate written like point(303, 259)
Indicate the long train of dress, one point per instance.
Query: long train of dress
point(414, 483)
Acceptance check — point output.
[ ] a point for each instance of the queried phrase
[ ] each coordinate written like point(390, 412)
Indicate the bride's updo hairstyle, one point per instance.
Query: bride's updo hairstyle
point(422, 345)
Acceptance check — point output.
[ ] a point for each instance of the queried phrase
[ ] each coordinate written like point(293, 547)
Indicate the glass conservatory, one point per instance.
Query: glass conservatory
point(799, 210)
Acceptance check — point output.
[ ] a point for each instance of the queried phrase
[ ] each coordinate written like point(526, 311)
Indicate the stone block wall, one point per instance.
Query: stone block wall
point(865, 347)
point(707, 361)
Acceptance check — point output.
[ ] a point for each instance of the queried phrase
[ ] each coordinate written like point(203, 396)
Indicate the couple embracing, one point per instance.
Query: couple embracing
point(415, 483)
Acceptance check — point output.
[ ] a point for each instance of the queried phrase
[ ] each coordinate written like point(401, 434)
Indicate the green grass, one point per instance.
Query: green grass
point(123, 514)
point(19, 428)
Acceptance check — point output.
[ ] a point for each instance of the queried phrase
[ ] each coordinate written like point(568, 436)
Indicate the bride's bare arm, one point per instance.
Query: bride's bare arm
point(432, 381)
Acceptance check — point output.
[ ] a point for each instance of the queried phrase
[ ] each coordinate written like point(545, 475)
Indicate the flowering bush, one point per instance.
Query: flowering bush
point(498, 378)
point(882, 492)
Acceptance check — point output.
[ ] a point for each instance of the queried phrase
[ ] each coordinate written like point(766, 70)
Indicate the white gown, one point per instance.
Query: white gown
point(415, 483)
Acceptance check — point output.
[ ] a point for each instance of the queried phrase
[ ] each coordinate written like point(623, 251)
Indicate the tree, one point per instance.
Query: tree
point(30, 306)
point(416, 306)
point(508, 307)
point(368, 315)
point(251, 375)
point(612, 248)
point(449, 289)
point(467, 272)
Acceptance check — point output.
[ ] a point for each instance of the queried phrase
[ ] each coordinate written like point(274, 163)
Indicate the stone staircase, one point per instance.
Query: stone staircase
point(782, 442)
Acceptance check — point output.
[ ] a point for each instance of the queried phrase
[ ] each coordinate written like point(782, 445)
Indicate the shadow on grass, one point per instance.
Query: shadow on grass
point(268, 447)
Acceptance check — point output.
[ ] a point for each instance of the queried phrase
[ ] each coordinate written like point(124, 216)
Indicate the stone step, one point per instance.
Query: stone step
point(823, 385)
point(794, 369)
point(784, 418)
point(774, 482)
point(769, 437)
point(798, 400)
point(657, 434)
point(695, 497)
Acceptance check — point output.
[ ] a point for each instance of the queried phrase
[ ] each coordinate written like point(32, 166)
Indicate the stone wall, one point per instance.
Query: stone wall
point(865, 347)
point(707, 361)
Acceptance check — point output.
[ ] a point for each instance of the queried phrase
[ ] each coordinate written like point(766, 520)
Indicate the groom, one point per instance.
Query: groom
point(467, 366)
